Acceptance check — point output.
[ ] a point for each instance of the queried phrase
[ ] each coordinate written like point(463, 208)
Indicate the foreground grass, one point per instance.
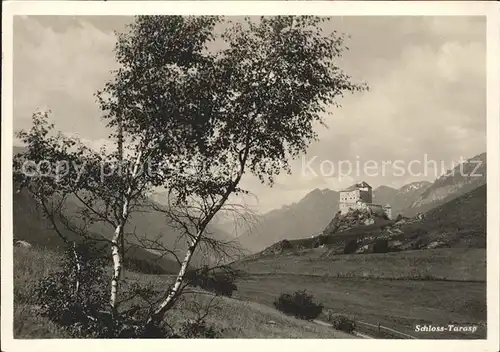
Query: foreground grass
point(233, 318)
point(29, 325)
point(243, 319)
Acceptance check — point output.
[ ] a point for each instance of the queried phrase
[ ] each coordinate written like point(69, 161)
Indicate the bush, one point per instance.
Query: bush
point(418, 244)
point(341, 322)
point(299, 304)
point(83, 312)
point(381, 246)
point(198, 329)
point(286, 244)
point(351, 246)
point(143, 266)
point(319, 241)
point(77, 311)
point(221, 282)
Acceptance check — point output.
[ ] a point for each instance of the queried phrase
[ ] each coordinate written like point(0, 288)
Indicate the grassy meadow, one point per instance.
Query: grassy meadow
point(397, 290)
point(232, 317)
point(452, 264)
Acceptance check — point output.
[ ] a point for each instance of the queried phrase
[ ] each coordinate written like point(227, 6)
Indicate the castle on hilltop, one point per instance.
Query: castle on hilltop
point(359, 196)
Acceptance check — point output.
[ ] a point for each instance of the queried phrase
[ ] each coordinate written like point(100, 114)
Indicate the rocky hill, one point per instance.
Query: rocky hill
point(353, 219)
point(459, 223)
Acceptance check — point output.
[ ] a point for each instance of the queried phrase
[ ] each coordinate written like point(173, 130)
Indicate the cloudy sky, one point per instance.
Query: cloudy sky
point(427, 98)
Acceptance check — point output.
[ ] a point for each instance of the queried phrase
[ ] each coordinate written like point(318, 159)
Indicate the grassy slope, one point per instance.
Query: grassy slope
point(236, 319)
point(460, 222)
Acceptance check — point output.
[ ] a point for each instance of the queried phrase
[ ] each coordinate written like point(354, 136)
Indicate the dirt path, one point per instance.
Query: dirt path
point(358, 334)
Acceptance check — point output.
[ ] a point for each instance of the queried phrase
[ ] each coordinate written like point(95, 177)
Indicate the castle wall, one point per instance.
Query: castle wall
point(376, 209)
point(361, 198)
point(349, 197)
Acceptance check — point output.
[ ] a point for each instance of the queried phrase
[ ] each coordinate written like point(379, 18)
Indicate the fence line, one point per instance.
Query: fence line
point(379, 327)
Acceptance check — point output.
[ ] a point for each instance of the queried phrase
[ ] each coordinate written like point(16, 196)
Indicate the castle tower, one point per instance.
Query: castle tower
point(355, 196)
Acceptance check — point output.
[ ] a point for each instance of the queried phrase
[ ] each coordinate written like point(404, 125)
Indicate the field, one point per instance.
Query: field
point(461, 264)
point(397, 290)
point(234, 318)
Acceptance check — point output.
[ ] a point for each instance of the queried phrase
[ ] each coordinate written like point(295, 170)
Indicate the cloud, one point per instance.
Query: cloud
point(427, 77)
point(427, 99)
point(61, 71)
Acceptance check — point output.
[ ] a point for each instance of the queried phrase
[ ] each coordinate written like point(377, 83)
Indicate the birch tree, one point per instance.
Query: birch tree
point(109, 185)
point(76, 192)
point(251, 102)
point(196, 104)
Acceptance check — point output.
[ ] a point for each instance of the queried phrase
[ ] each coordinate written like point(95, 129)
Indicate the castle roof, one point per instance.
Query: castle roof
point(356, 186)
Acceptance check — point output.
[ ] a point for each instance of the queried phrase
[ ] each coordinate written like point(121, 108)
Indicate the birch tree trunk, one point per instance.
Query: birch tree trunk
point(174, 291)
point(77, 267)
point(117, 268)
point(117, 250)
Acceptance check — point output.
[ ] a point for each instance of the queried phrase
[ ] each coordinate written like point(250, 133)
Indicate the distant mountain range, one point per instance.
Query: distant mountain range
point(402, 198)
point(311, 214)
point(305, 218)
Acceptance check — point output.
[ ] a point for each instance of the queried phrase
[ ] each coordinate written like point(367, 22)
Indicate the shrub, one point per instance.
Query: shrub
point(351, 246)
point(221, 282)
point(381, 246)
point(316, 243)
point(83, 312)
point(341, 322)
point(299, 304)
point(416, 232)
point(198, 329)
point(143, 266)
point(76, 310)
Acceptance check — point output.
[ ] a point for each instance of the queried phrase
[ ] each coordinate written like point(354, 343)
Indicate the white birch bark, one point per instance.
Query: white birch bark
point(117, 237)
point(78, 268)
point(174, 291)
point(170, 300)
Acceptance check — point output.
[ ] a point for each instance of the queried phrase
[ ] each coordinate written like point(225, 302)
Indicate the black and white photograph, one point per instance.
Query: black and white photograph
point(274, 176)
